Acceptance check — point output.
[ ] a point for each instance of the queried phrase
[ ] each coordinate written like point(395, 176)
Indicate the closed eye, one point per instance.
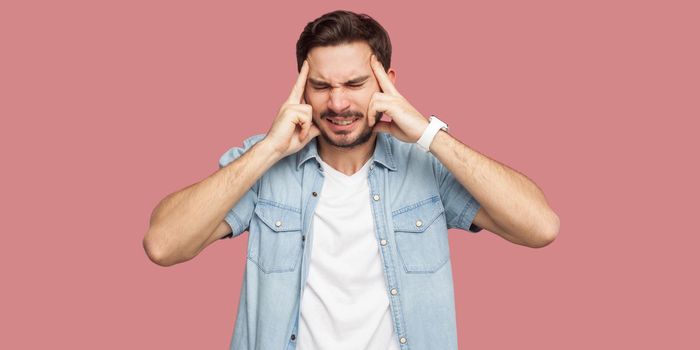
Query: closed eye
point(353, 86)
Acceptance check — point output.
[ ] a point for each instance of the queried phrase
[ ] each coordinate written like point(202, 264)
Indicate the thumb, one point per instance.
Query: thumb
point(305, 122)
point(312, 132)
point(304, 130)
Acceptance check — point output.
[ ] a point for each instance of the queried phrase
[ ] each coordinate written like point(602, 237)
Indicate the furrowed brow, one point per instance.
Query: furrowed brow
point(350, 82)
point(357, 80)
point(317, 82)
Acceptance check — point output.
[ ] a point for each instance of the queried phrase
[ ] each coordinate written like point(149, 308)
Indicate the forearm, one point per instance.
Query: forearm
point(183, 221)
point(512, 201)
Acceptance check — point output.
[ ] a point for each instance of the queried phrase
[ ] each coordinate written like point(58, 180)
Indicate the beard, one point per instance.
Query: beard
point(364, 136)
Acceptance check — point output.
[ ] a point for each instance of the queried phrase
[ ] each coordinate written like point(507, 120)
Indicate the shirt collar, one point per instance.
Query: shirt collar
point(382, 152)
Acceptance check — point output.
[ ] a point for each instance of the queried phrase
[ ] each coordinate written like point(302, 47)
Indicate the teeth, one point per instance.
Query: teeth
point(342, 122)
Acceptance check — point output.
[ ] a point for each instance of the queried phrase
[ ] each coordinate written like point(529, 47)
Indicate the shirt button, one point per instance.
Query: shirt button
point(382, 242)
point(303, 238)
point(278, 223)
point(394, 291)
point(293, 337)
point(376, 197)
point(419, 223)
point(314, 194)
point(403, 340)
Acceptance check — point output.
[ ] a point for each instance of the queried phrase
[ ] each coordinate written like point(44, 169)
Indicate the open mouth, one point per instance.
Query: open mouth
point(341, 123)
point(337, 121)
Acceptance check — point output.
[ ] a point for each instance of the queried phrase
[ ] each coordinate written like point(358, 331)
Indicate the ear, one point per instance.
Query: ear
point(392, 75)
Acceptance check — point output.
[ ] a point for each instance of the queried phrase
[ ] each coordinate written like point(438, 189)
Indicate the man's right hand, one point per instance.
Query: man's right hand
point(293, 128)
point(187, 221)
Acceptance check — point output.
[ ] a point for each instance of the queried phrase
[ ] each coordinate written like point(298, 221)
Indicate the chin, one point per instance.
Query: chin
point(345, 140)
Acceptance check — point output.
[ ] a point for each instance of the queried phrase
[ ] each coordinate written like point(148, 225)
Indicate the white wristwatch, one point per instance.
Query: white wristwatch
point(429, 134)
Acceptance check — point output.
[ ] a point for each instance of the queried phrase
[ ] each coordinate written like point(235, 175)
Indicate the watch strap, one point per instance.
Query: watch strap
point(433, 128)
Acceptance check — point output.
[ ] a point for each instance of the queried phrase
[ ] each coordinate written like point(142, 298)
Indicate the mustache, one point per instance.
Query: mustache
point(331, 114)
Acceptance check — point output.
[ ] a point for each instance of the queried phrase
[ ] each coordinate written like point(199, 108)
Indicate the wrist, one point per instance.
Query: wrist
point(270, 150)
point(434, 127)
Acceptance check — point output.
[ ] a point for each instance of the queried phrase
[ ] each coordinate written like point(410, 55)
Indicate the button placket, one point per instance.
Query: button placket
point(387, 255)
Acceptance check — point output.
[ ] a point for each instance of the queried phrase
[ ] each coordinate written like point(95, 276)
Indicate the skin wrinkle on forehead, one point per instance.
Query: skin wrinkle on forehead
point(357, 80)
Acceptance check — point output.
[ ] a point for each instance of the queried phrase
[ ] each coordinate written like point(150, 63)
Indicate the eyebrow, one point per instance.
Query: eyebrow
point(351, 81)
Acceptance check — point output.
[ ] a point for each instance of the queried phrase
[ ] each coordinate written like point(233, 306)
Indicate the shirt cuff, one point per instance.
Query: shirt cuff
point(467, 217)
point(235, 223)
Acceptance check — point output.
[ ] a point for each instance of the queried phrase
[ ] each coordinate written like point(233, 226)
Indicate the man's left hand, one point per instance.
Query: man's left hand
point(406, 124)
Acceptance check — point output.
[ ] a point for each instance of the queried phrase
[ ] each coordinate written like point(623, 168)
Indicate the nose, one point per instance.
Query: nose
point(337, 100)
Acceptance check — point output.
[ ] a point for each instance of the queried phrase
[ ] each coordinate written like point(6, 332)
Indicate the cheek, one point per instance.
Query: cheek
point(313, 97)
point(317, 101)
point(364, 98)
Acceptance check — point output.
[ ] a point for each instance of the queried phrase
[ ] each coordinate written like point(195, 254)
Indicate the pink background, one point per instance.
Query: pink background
point(107, 108)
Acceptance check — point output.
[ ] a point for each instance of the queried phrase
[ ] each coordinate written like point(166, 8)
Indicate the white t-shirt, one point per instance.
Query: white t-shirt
point(345, 303)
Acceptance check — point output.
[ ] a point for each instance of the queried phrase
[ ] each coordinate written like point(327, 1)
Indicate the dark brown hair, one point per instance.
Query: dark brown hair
point(344, 27)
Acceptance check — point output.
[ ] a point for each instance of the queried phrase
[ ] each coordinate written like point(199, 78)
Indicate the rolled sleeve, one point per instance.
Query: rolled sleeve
point(460, 206)
point(239, 216)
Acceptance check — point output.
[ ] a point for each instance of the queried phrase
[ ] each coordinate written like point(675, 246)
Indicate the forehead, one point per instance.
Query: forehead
point(337, 64)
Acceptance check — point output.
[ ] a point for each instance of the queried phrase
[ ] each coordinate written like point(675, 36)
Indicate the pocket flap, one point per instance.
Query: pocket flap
point(278, 218)
point(418, 216)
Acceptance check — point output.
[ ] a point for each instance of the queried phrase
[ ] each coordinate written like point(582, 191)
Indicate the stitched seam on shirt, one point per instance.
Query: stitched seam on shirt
point(238, 222)
point(415, 205)
point(278, 205)
point(468, 208)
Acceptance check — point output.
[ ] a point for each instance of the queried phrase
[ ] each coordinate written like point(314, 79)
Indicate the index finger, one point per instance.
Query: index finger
point(298, 89)
point(383, 79)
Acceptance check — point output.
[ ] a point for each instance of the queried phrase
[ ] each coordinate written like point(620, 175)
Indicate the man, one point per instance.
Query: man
point(348, 214)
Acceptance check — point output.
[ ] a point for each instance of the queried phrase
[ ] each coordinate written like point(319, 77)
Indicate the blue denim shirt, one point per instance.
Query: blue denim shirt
point(414, 200)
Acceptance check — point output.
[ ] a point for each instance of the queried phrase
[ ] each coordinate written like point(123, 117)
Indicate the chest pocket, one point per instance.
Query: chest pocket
point(421, 235)
point(275, 238)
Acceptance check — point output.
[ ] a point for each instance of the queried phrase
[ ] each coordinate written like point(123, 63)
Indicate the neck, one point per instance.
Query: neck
point(347, 160)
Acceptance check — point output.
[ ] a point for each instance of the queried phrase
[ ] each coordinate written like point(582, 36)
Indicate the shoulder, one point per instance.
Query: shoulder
point(406, 155)
point(234, 152)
